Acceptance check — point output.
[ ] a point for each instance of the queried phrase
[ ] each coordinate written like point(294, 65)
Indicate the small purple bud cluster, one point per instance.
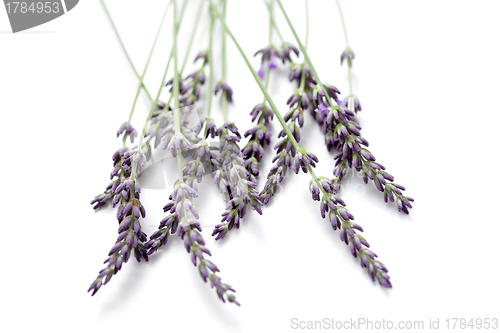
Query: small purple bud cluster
point(135, 158)
point(260, 136)
point(190, 87)
point(130, 236)
point(340, 218)
point(129, 131)
point(161, 126)
point(286, 51)
point(269, 54)
point(226, 89)
point(233, 181)
point(347, 54)
point(162, 129)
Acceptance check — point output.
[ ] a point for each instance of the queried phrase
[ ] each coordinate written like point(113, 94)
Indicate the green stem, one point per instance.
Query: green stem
point(156, 100)
point(307, 23)
point(266, 70)
point(306, 56)
point(224, 97)
point(191, 39)
point(269, 6)
point(177, 111)
point(211, 65)
point(343, 22)
point(303, 77)
point(350, 98)
point(124, 49)
point(350, 80)
point(147, 62)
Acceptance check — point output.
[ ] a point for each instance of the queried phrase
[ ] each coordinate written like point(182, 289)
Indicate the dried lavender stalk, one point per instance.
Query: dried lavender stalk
point(130, 236)
point(233, 181)
point(342, 133)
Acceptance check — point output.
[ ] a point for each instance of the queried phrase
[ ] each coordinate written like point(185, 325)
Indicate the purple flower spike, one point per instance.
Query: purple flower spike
point(129, 131)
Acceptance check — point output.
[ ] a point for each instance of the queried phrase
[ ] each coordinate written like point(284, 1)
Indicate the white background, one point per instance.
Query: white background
point(427, 74)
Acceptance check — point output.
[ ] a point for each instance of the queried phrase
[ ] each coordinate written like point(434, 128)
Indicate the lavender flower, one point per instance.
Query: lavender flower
point(183, 221)
point(268, 55)
point(233, 181)
point(190, 87)
point(286, 156)
point(342, 132)
point(260, 136)
point(116, 174)
point(322, 190)
point(118, 171)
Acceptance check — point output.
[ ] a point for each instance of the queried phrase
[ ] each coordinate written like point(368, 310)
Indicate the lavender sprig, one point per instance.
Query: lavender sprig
point(346, 136)
point(268, 56)
point(341, 219)
point(285, 150)
point(259, 137)
point(183, 221)
point(116, 174)
point(120, 171)
point(233, 181)
point(190, 87)
point(130, 235)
